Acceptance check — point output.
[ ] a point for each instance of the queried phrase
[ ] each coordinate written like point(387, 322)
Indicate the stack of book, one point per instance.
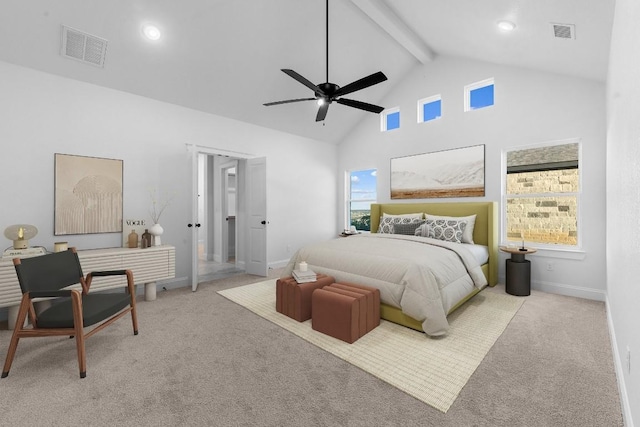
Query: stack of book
point(304, 276)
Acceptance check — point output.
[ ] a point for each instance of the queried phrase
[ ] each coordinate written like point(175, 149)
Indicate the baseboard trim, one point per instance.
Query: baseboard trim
point(279, 264)
point(567, 290)
point(165, 285)
point(619, 368)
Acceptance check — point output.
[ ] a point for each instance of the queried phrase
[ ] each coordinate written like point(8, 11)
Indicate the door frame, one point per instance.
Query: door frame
point(194, 150)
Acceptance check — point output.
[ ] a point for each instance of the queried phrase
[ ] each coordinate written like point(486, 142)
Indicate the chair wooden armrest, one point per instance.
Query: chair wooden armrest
point(86, 283)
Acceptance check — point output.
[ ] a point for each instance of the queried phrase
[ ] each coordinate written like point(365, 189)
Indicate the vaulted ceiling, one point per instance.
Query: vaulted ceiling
point(225, 56)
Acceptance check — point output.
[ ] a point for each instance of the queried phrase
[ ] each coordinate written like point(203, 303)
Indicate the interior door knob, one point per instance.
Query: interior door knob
point(189, 225)
point(197, 225)
point(263, 222)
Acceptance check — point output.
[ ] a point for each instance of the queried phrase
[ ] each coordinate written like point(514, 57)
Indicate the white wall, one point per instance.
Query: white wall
point(623, 200)
point(42, 114)
point(530, 107)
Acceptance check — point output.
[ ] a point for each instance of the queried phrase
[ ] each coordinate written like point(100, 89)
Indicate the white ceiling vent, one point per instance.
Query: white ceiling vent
point(83, 47)
point(564, 31)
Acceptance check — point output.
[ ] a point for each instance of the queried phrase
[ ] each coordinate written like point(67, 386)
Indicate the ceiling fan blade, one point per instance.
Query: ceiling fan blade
point(268, 104)
point(360, 105)
point(364, 82)
point(322, 112)
point(302, 80)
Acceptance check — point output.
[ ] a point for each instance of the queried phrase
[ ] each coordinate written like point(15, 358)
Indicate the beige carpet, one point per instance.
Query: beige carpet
point(433, 370)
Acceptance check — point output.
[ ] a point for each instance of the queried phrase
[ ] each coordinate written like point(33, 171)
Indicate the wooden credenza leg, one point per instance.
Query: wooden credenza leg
point(150, 291)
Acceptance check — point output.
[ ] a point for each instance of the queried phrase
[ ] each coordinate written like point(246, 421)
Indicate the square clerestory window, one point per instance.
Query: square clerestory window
point(429, 108)
point(479, 95)
point(390, 119)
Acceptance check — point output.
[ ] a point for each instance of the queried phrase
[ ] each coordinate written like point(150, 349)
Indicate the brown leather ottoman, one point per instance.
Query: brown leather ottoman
point(336, 314)
point(373, 301)
point(362, 306)
point(293, 299)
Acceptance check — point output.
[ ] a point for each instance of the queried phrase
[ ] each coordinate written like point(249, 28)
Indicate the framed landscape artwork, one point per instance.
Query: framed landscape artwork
point(88, 195)
point(450, 173)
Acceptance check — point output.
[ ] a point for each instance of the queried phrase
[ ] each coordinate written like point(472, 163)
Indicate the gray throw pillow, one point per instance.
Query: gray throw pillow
point(387, 223)
point(408, 229)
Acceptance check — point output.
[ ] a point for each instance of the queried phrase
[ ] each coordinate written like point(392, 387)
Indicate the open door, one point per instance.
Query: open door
point(257, 216)
point(251, 221)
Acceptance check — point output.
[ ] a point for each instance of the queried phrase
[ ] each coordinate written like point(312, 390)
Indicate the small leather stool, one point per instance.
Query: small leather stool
point(373, 301)
point(293, 299)
point(336, 314)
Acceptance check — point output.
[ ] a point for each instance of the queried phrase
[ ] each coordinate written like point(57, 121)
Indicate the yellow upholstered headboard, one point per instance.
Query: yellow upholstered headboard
point(485, 231)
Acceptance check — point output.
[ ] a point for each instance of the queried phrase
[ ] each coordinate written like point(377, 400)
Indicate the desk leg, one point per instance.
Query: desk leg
point(150, 291)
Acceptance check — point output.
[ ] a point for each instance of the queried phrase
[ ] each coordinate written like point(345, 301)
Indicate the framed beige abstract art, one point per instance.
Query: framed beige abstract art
point(88, 195)
point(458, 172)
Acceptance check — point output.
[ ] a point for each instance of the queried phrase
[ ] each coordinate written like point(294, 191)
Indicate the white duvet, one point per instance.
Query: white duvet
point(423, 277)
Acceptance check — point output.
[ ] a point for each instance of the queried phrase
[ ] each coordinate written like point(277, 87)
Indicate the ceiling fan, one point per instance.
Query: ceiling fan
point(326, 93)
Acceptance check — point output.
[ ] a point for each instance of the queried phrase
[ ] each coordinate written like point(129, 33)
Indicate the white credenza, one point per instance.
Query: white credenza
point(148, 265)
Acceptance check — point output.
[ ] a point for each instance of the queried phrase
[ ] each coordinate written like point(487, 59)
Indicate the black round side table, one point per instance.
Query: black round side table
point(518, 271)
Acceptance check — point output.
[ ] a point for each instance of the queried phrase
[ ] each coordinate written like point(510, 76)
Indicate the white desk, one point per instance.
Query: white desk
point(148, 265)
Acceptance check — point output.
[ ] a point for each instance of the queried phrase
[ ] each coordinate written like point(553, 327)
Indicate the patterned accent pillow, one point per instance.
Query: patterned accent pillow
point(408, 229)
point(387, 223)
point(448, 230)
point(467, 236)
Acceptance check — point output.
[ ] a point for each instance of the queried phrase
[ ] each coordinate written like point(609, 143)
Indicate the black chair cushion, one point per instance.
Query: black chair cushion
point(95, 308)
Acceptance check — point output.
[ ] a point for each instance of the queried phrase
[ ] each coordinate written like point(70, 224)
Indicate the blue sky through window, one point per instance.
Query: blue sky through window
point(363, 187)
point(393, 120)
point(481, 97)
point(431, 110)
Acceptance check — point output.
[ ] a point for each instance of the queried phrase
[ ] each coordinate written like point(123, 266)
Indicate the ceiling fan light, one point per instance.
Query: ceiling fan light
point(506, 25)
point(320, 102)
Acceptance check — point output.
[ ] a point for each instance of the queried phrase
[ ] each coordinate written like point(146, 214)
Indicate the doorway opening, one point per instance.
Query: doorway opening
point(217, 206)
point(224, 183)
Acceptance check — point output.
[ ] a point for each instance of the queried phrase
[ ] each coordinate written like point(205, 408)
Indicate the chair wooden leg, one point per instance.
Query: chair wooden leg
point(78, 326)
point(15, 337)
point(131, 289)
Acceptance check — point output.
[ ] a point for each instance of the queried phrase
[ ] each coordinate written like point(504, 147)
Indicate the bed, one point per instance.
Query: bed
point(421, 279)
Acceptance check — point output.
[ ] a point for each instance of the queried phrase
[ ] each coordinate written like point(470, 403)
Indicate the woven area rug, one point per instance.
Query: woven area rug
point(433, 370)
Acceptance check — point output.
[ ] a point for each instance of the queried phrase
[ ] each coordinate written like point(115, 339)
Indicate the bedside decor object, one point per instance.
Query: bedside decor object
point(88, 195)
point(157, 208)
point(133, 239)
point(146, 239)
point(20, 234)
point(156, 231)
point(522, 248)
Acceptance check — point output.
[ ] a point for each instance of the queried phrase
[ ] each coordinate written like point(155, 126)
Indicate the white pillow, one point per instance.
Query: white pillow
point(412, 215)
point(467, 235)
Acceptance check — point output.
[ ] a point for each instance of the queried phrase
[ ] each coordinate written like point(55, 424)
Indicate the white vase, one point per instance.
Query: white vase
point(156, 231)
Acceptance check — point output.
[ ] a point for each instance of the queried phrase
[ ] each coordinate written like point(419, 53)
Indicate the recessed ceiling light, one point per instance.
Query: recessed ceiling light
point(151, 32)
point(506, 25)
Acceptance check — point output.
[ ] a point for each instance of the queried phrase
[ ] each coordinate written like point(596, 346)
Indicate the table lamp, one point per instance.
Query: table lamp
point(20, 234)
